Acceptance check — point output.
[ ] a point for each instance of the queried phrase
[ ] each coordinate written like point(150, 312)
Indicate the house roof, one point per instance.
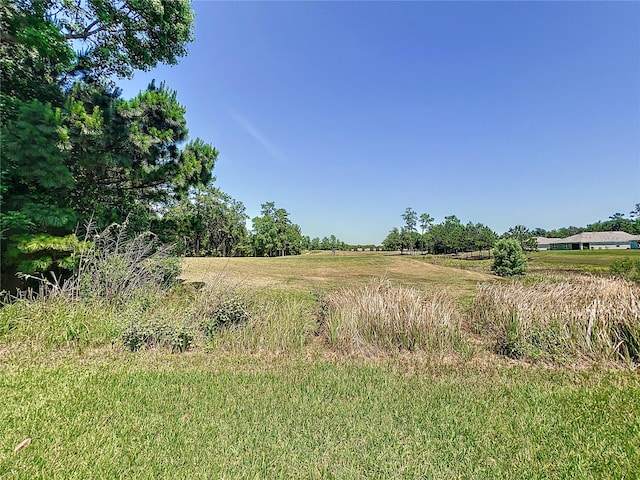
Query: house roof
point(544, 240)
point(593, 237)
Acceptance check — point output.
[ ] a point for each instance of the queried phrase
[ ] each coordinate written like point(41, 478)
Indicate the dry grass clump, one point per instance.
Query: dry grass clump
point(557, 318)
point(384, 317)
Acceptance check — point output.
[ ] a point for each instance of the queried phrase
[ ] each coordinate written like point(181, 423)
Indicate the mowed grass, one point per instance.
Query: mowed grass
point(590, 261)
point(548, 261)
point(153, 415)
point(323, 272)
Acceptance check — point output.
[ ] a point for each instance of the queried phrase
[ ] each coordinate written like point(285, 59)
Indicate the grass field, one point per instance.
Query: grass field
point(240, 409)
point(549, 261)
point(593, 261)
point(324, 272)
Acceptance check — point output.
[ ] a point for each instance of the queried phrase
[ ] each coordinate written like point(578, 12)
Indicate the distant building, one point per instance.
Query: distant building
point(544, 243)
point(591, 241)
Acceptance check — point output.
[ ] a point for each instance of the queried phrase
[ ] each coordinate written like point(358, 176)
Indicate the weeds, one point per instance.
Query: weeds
point(381, 316)
point(117, 266)
point(57, 322)
point(626, 268)
point(179, 338)
point(558, 318)
point(278, 322)
point(229, 312)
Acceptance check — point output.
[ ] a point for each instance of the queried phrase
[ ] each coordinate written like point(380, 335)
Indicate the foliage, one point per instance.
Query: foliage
point(157, 333)
point(626, 268)
point(117, 37)
point(125, 155)
point(410, 218)
point(393, 241)
point(206, 223)
point(35, 187)
point(72, 148)
point(230, 312)
point(33, 56)
point(524, 236)
point(326, 243)
point(277, 322)
point(118, 265)
point(426, 221)
point(509, 258)
point(274, 233)
point(448, 237)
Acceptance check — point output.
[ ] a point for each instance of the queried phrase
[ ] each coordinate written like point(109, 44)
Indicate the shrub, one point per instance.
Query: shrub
point(381, 316)
point(626, 268)
point(154, 332)
point(181, 339)
point(559, 318)
point(509, 259)
point(228, 313)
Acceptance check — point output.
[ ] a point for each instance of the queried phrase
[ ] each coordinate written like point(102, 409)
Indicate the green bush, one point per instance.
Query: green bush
point(509, 259)
point(626, 268)
point(154, 333)
point(229, 312)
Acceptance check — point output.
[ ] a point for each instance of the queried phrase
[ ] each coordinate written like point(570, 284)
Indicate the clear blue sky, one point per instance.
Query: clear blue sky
point(345, 114)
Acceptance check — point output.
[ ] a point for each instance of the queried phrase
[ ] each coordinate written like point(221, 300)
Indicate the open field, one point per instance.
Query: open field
point(325, 272)
point(550, 261)
point(272, 399)
point(592, 261)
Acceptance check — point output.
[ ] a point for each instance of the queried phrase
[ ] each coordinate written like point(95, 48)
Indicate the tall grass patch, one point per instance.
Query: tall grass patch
point(121, 287)
point(58, 322)
point(561, 318)
point(276, 322)
point(385, 317)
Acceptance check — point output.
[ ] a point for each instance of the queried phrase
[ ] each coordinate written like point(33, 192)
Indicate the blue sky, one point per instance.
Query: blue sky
point(346, 113)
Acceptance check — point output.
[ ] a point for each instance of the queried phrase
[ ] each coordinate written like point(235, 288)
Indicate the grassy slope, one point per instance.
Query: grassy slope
point(308, 414)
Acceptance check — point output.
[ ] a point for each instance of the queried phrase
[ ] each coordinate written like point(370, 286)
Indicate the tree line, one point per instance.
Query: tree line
point(450, 236)
point(419, 234)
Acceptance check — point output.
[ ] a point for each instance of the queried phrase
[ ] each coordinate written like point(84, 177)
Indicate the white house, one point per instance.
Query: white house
point(544, 243)
point(591, 241)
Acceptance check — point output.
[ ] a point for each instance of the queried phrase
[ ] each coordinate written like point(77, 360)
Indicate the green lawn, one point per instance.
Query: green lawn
point(209, 416)
point(549, 261)
point(593, 261)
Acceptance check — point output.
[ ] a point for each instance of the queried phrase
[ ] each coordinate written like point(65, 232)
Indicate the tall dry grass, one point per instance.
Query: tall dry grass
point(385, 317)
point(555, 317)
